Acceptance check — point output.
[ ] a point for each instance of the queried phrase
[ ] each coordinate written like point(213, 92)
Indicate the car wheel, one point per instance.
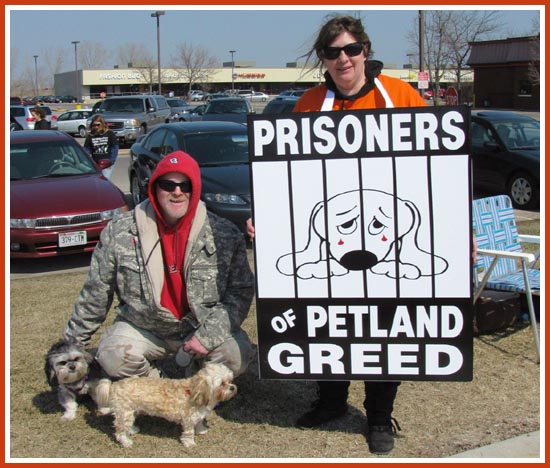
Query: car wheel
point(135, 191)
point(522, 190)
point(82, 132)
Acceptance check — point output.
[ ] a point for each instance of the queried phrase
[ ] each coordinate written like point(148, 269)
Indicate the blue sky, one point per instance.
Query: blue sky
point(269, 37)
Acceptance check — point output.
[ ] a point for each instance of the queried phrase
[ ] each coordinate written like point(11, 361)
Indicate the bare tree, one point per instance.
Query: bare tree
point(463, 28)
point(93, 55)
point(437, 54)
point(131, 53)
point(54, 60)
point(194, 63)
point(447, 37)
point(146, 70)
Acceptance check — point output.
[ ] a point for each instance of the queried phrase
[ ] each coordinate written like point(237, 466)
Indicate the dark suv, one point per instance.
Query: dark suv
point(229, 110)
point(277, 106)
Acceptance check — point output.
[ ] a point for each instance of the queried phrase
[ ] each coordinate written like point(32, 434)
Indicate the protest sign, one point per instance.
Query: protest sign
point(363, 244)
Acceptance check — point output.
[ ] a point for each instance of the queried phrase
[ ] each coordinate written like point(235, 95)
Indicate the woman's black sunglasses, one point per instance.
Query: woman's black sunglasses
point(351, 50)
point(170, 185)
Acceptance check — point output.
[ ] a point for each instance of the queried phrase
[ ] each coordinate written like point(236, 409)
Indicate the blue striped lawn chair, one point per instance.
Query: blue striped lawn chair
point(502, 264)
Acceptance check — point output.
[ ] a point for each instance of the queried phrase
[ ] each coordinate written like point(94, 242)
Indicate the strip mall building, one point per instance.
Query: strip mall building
point(94, 84)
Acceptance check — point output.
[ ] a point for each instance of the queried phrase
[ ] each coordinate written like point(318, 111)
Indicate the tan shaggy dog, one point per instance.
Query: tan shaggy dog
point(184, 401)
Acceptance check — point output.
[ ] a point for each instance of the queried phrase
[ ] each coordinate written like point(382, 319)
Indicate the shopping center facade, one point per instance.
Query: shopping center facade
point(94, 84)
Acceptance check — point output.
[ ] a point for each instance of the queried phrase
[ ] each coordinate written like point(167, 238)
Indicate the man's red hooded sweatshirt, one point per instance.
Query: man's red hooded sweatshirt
point(174, 238)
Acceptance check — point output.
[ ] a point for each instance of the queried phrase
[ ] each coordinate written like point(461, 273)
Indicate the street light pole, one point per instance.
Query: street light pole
point(157, 15)
point(35, 76)
point(232, 71)
point(77, 91)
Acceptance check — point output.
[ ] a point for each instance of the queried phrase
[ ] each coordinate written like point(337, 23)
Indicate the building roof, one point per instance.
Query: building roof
point(511, 50)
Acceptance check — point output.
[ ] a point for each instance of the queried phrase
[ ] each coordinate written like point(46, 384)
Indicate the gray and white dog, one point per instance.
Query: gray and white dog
point(74, 372)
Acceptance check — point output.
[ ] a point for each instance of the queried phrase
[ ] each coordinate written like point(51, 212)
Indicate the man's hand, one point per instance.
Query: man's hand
point(194, 346)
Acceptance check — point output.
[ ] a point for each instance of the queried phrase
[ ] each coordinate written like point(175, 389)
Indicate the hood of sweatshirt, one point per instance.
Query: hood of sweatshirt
point(174, 238)
point(181, 162)
point(373, 68)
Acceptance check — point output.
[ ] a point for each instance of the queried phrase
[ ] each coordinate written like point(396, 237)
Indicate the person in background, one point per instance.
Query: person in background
point(102, 143)
point(353, 81)
point(40, 122)
point(182, 279)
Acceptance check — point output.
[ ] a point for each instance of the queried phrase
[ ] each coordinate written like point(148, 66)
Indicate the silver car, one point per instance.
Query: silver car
point(74, 122)
point(24, 117)
point(179, 109)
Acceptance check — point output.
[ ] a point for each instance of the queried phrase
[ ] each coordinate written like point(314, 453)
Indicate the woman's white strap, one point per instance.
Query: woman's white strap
point(389, 102)
point(328, 103)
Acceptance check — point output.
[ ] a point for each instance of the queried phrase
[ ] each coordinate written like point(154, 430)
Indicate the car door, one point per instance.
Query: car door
point(486, 157)
point(147, 155)
point(63, 122)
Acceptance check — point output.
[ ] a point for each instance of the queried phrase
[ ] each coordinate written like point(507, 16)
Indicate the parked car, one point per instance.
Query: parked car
point(59, 200)
point(196, 95)
point(67, 98)
point(16, 100)
point(209, 96)
point(179, 109)
point(24, 117)
point(290, 92)
point(220, 148)
point(196, 113)
point(96, 106)
point(259, 97)
point(74, 122)
point(129, 117)
point(243, 93)
point(277, 106)
point(228, 109)
point(505, 150)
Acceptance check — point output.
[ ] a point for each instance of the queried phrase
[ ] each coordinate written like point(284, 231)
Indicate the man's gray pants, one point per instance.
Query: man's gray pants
point(125, 350)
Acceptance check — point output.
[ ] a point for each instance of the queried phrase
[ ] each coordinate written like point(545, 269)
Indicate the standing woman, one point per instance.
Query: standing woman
point(352, 81)
point(102, 143)
point(40, 122)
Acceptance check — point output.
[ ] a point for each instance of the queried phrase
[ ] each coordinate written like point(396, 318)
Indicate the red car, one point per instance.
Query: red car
point(59, 200)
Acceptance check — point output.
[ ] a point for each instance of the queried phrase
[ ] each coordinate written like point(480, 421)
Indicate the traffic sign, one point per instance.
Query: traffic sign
point(423, 80)
point(451, 97)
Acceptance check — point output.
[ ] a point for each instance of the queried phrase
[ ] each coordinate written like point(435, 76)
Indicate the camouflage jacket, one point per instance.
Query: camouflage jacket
point(128, 262)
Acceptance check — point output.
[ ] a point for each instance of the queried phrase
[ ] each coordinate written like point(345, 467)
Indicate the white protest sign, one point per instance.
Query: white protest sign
point(363, 244)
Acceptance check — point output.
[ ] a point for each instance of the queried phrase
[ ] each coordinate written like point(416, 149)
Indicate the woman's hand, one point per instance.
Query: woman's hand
point(250, 229)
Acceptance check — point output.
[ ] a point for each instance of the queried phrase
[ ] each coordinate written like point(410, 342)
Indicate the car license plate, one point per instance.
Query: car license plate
point(69, 239)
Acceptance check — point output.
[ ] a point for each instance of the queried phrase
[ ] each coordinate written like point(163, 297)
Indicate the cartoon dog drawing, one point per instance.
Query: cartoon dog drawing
point(363, 230)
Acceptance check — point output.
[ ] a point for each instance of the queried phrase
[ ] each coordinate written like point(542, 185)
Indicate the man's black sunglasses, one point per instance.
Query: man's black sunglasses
point(170, 185)
point(351, 50)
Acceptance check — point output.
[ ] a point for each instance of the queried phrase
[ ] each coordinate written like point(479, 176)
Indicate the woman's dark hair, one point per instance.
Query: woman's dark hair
point(333, 28)
point(38, 110)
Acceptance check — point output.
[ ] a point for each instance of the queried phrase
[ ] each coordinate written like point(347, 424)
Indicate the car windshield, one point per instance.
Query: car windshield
point(227, 107)
point(519, 134)
point(34, 160)
point(216, 149)
point(133, 106)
